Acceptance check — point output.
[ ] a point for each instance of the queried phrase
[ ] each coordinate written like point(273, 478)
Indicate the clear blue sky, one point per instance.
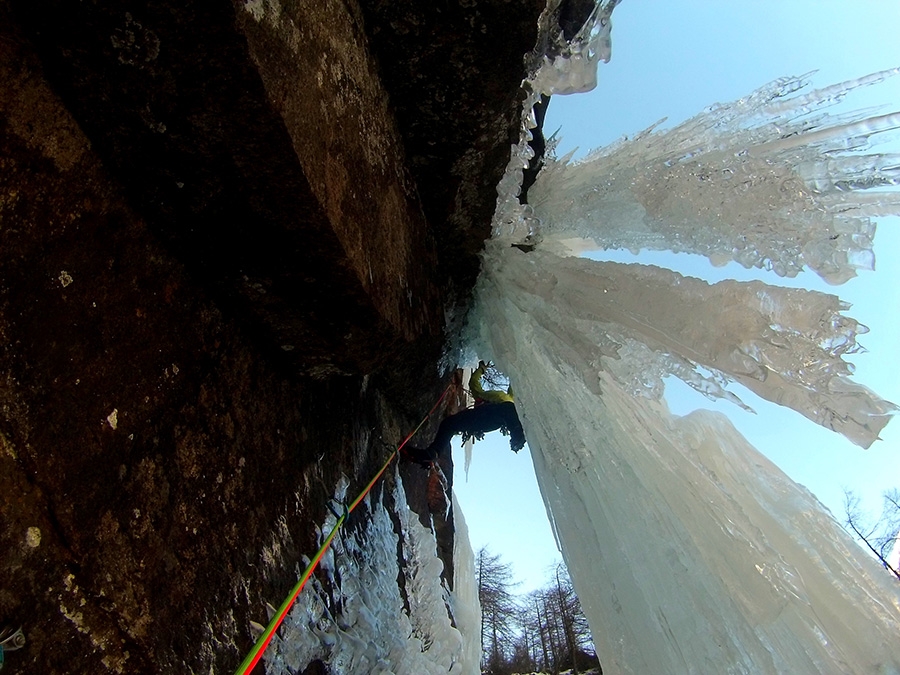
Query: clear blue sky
point(672, 59)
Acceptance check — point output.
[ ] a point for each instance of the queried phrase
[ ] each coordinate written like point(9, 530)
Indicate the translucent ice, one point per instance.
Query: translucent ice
point(769, 180)
point(691, 552)
point(783, 344)
point(573, 67)
point(465, 604)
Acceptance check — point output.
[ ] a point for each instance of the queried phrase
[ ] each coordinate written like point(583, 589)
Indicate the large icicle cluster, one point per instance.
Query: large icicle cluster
point(769, 181)
point(571, 70)
point(691, 552)
point(642, 323)
point(365, 627)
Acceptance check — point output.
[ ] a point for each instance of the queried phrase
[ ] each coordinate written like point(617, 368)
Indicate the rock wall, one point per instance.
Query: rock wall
point(228, 234)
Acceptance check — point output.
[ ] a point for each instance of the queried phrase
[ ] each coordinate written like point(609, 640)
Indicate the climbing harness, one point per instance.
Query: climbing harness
point(342, 514)
point(10, 641)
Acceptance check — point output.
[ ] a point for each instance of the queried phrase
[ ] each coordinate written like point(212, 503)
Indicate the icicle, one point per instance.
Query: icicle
point(573, 70)
point(785, 345)
point(759, 181)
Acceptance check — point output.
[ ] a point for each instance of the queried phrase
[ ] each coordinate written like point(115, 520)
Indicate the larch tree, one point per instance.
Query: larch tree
point(499, 610)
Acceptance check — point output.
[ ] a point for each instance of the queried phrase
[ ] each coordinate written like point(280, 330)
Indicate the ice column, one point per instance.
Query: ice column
point(465, 603)
point(690, 552)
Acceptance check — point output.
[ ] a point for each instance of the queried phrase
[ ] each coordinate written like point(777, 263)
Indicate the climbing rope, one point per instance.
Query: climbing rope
point(259, 648)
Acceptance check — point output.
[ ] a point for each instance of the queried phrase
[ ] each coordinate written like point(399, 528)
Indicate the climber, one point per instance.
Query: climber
point(493, 410)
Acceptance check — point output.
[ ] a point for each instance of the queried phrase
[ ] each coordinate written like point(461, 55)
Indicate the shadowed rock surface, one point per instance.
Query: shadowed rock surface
point(228, 234)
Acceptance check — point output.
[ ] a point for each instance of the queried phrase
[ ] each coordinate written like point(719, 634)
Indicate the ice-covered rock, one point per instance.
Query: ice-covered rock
point(364, 622)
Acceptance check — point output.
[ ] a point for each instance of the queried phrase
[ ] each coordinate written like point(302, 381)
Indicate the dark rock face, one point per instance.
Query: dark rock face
point(227, 237)
point(262, 155)
point(441, 62)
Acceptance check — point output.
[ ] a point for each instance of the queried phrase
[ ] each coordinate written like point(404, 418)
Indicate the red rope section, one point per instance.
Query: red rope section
point(260, 647)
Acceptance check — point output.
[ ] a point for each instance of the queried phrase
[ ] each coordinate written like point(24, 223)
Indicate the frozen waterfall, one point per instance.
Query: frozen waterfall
point(691, 552)
point(363, 623)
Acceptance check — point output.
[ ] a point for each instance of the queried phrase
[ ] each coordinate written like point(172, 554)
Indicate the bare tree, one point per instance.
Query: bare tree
point(521, 660)
point(880, 537)
point(575, 630)
point(554, 627)
point(535, 617)
point(499, 610)
point(545, 630)
point(568, 605)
